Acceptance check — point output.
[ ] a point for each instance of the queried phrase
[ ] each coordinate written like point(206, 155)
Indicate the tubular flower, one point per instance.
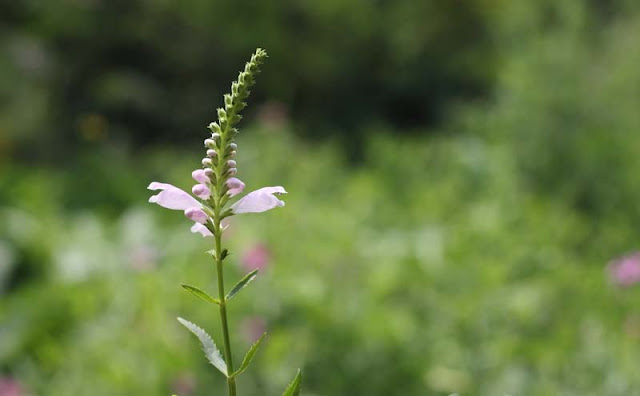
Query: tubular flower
point(259, 201)
point(174, 198)
point(171, 197)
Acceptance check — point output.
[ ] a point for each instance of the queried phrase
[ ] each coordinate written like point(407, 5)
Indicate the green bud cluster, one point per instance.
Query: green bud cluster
point(221, 149)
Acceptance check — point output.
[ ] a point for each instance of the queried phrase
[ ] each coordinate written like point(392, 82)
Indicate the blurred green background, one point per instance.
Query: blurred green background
point(460, 173)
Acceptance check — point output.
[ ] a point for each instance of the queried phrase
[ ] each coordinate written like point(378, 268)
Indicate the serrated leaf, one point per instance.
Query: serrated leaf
point(208, 346)
point(200, 293)
point(242, 283)
point(249, 356)
point(294, 387)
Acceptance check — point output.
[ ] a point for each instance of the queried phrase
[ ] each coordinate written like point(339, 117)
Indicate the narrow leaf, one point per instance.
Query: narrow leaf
point(201, 293)
point(208, 346)
point(242, 283)
point(294, 387)
point(249, 356)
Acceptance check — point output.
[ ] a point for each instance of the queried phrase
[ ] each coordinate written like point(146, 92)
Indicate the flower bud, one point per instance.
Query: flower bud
point(201, 191)
point(209, 172)
point(231, 164)
point(197, 215)
point(232, 171)
point(235, 186)
point(211, 153)
point(210, 143)
point(200, 175)
point(206, 162)
point(233, 146)
point(232, 154)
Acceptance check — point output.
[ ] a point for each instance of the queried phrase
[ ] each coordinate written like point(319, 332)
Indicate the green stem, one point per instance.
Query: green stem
point(231, 382)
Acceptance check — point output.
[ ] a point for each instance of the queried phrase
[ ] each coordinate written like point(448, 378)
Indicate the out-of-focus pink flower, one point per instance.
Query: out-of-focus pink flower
point(253, 328)
point(256, 257)
point(625, 271)
point(143, 258)
point(184, 384)
point(235, 185)
point(10, 387)
point(259, 201)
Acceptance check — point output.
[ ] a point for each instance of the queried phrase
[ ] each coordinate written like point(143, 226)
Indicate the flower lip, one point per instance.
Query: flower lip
point(171, 197)
point(259, 200)
point(201, 229)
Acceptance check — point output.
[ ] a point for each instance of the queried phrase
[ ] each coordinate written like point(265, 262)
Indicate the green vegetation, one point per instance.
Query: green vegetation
point(463, 252)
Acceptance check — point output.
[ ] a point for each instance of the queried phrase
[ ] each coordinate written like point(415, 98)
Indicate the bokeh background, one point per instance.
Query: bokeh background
point(460, 174)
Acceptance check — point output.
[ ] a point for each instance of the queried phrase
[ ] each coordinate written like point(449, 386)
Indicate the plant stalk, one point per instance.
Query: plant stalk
point(231, 382)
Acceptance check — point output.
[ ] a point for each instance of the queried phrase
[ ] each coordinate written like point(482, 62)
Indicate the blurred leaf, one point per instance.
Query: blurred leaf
point(294, 387)
point(249, 356)
point(209, 347)
point(242, 283)
point(200, 293)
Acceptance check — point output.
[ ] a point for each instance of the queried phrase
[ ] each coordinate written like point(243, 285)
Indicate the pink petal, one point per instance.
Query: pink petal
point(259, 201)
point(235, 185)
point(196, 214)
point(199, 176)
point(201, 191)
point(201, 229)
point(625, 271)
point(171, 197)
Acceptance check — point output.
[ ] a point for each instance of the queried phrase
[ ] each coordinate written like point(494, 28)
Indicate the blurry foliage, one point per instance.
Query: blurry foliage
point(429, 269)
point(146, 70)
point(467, 260)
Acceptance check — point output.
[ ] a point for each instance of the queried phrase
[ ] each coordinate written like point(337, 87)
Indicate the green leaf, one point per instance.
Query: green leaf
point(249, 356)
point(208, 346)
point(294, 387)
point(242, 283)
point(201, 293)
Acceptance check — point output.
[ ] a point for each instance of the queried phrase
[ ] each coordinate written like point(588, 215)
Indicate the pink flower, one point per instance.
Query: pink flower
point(200, 176)
point(196, 214)
point(201, 229)
point(235, 185)
point(256, 257)
point(259, 201)
point(625, 271)
point(171, 197)
point(201, 191)
point(10, 387)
